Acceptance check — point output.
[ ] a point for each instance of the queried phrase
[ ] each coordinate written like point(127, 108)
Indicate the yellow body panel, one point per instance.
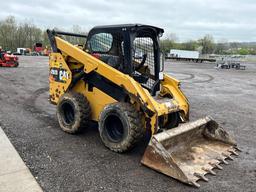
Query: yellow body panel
point(171, 85)
point(60, 76)
point(136, 92)
point(98, 99)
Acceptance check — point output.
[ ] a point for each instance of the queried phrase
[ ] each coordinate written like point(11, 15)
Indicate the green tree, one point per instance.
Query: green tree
point(170, 42)
point(220, 48)
point(243, 51)
point(253, 51)
point(8, 29)
point(207, 44)
point(190, 45)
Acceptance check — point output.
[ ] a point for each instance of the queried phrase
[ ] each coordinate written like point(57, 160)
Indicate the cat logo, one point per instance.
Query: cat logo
point(59, 75)
point(63, 75)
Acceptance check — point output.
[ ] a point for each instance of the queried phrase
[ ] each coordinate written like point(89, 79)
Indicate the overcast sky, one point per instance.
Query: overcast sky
point(232, 20)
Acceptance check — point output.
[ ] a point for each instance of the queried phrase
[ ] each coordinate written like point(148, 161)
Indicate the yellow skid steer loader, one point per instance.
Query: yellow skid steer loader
point(116, 79)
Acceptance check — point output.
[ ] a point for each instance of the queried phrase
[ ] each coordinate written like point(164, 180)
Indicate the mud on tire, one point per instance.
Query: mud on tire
point(73, 112)
point(120, 126)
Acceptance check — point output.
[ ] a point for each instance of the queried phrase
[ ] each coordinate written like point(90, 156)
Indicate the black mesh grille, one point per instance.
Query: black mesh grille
point(101, 43)
point(143, 50)
point(74, 40)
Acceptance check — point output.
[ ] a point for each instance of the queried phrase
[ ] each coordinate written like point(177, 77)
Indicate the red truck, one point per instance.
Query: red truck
point(38, 47)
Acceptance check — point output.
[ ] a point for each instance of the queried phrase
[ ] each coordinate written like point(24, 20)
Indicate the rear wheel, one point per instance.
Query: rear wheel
point(73, 112)
point(120, 126)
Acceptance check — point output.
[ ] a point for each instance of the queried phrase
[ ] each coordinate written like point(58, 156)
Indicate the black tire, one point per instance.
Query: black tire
point(120, 126)
point(73, 112)
point(173, 120)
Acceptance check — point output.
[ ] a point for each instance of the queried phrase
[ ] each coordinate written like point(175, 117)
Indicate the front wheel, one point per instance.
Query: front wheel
point(120, 126)
point(173, 120)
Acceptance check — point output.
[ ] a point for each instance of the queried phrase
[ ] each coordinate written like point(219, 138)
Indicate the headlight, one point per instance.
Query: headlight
point(161, 75)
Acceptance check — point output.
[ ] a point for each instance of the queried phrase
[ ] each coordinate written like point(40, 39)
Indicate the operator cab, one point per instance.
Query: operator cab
point(132, 49)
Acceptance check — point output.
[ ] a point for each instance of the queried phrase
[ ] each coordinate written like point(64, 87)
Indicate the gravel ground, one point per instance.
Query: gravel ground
point(63, 162)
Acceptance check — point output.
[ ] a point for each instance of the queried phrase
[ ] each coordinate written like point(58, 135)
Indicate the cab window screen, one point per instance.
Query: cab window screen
point(101, 42)
point(143, 49)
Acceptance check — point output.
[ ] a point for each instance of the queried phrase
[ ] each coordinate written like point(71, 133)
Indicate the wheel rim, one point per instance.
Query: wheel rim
point(68, 113)
point(114, 128)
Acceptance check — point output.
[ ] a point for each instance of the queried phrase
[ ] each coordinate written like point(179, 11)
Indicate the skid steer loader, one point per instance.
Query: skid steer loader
point(116, 78)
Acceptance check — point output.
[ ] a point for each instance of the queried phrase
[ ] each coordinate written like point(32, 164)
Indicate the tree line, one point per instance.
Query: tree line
point(207, 45)
point(15, 35)
point(25, 34)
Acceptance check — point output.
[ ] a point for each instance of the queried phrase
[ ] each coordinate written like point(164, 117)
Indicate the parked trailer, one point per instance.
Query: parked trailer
point(200, 60)
point(185, 55)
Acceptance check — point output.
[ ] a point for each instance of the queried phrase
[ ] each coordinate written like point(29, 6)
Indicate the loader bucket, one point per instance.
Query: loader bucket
point(190, 151)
